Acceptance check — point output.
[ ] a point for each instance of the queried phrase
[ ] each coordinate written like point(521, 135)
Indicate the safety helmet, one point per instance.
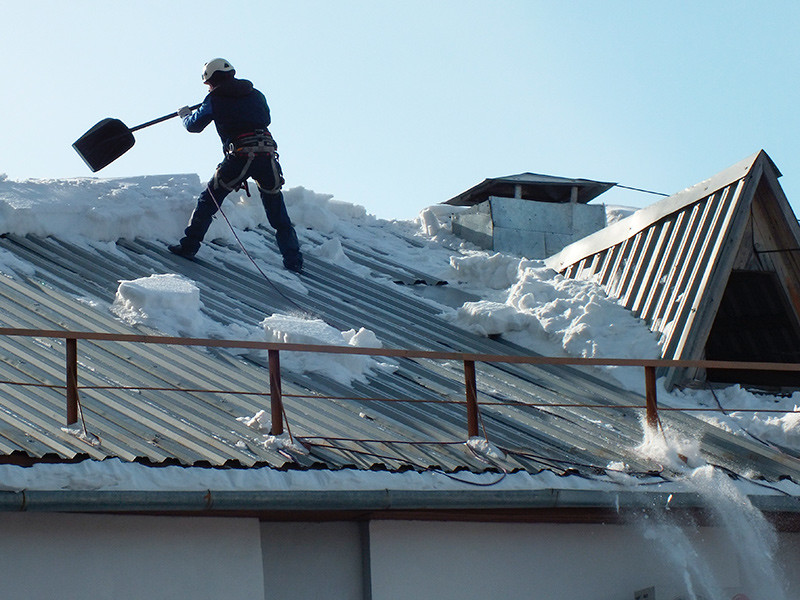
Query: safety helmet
point(212, 66)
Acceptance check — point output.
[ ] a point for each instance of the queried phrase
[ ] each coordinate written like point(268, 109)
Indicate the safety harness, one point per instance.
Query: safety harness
point(259, 141)
point(252, 144)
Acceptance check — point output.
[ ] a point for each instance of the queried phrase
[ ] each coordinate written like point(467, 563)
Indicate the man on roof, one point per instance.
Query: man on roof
point(241, 115)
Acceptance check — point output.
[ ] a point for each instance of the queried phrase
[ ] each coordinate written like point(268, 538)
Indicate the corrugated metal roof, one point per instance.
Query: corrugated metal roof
point(72, 288)
point(669, 263)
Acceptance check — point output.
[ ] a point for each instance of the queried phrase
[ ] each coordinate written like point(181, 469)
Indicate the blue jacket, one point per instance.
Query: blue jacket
point(235, 106)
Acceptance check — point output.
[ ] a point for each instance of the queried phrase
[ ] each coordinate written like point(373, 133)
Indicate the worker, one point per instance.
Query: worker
point(241, 116)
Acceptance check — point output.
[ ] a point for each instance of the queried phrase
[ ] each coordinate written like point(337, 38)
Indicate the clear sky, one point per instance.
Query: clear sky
point(398, 105)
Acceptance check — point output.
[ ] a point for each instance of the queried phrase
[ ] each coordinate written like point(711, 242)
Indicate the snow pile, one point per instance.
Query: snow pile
point(321, 212)
point(99, 209)
point(747, 413)
point(494, 271)
point(543, 309)
point(152, 207)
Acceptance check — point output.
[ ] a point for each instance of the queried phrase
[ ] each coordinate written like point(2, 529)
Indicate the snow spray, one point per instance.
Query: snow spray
point(748, 537)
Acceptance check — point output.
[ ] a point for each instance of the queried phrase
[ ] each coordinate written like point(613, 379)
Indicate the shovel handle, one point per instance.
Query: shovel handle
point(160, 119)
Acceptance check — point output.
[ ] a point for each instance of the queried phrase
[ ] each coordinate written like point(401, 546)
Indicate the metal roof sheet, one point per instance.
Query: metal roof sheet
point(669, 263)
point(72, 287)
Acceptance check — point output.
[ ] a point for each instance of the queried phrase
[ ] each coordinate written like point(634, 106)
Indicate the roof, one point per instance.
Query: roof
point(672, 262)
point(341, 425)
point(532, 186)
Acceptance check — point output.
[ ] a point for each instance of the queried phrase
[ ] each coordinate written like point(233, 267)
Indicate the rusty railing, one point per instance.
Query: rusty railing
point(468, 359)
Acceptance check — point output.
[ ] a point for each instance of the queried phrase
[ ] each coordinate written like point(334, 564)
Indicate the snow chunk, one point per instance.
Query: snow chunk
point(282, 442)
point(259, 421)
point(483, 448)
point(169, 303)
point(496, 271)
point(343, 368)
point(332, 252)
point(491, 318)
point(80, 432)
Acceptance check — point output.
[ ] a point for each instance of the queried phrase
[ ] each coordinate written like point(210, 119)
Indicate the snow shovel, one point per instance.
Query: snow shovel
point(110, 139)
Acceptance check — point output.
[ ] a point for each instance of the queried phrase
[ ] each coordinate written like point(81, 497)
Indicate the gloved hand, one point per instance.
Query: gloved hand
point(184, 112)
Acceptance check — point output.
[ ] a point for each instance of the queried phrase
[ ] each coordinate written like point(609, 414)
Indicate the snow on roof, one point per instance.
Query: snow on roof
point(89, 254)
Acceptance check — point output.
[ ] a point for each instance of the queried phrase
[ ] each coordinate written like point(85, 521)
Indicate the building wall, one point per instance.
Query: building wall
point(72, 556)
point(312, 560)
point(465, 561)
point(76, 556)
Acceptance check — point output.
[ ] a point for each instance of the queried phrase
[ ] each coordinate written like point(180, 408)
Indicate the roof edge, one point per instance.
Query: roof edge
point(643, 218)
point(221, 502)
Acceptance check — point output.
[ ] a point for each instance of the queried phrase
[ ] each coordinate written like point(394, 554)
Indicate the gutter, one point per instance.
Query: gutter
point(211, 502)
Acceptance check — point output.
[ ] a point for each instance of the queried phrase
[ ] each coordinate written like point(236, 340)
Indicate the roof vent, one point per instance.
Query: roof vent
point(529, 214)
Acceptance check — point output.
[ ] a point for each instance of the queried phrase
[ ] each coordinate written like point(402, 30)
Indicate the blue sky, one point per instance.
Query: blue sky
point(400, 105)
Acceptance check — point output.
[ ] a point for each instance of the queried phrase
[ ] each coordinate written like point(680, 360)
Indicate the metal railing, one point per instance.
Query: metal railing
point(273, 349)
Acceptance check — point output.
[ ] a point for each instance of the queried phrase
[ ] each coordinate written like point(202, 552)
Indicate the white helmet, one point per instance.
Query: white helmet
point(212, 66)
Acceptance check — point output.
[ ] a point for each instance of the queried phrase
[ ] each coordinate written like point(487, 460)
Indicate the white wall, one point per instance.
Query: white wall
point(75, 556)
point(464, 561)
point(44, 556)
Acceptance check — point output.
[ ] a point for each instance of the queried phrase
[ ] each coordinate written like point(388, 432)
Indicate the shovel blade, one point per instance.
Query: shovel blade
point(104, 143)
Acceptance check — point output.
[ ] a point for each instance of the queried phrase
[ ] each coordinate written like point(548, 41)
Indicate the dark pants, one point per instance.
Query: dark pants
point(266, 170)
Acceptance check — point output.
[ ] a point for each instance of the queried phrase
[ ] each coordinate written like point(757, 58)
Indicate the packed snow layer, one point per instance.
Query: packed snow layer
point(115, 474)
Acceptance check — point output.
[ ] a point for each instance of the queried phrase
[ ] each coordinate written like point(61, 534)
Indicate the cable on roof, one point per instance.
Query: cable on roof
point(544, 459)
point(407, 461)
point(94, 439)
point(736, 475)
point(626, 187)
point(740, 426)
point(247, 254)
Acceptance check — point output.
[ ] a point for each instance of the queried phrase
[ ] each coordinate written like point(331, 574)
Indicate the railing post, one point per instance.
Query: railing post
point(276, 401)
point(650, 396)
point(472, 398)
point(72, 380)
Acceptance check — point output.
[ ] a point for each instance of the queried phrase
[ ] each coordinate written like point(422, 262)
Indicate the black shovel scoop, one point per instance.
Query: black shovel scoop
point(109, 139)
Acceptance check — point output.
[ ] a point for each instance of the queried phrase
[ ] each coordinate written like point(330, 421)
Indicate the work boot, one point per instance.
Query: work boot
point(296, 266)
point(182, 251)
